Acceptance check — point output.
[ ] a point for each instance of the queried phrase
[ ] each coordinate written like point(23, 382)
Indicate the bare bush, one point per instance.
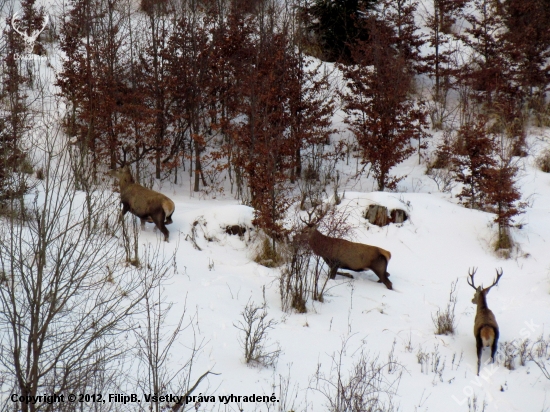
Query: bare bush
point(266, 254)
point(295, 279)
point(288, 394)
point(475, 406)
point(366, 387)
point(155, 340)
point(543, 161)
point(423, 359)
point(254, 337)
point(66, 295)
point(523, 351)
point(445, 320)
point(431, 362)
point(510, 352)
point(443, 178)
point(539, 353)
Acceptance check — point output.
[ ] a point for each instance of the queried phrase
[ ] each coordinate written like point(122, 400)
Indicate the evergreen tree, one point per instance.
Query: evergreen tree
point(400, 14)
point(486, 70)
point(438, 62)
point(336, 26)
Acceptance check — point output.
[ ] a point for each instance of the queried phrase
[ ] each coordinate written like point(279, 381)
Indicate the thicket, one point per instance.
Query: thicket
point(227, 91)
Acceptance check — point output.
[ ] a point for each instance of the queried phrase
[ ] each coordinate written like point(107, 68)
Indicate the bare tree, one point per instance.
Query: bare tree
point(65, 293)
point(159, 370)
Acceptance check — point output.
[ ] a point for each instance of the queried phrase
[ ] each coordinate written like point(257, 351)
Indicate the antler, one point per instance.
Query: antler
point(319, 215)
point(15, 28)
point(499, 275)
point(310, 220)
point(471, 273)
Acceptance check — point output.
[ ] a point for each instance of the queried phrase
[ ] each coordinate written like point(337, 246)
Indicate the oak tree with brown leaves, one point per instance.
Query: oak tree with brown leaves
point(381, 114)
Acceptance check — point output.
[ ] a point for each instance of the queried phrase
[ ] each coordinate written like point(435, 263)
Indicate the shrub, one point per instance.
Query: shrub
point(267, 255)
point(543, 161)
point(445, 321)
point(294, 282)
point(254, 328)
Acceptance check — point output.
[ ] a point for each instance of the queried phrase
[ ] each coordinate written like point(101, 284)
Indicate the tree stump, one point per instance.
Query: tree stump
point(377, 215)
point(398, 216)
point(235, 230)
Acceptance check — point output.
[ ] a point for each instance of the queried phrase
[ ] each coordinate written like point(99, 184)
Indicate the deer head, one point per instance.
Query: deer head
point(480, 291)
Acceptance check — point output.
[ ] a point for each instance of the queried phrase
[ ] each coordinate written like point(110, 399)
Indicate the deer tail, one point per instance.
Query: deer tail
point(386, 254)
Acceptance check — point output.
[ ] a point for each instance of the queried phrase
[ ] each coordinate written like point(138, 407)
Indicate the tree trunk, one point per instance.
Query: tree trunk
point(377, 215)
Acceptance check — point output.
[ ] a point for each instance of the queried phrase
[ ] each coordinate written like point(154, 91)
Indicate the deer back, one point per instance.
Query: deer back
point(142, 201)
point(484, 315)
point(350, 254)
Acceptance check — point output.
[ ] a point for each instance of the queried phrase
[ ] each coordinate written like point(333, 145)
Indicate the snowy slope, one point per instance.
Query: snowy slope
point(437, 245)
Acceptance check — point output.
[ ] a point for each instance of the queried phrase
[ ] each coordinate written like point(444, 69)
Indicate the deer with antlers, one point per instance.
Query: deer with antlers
point(485, 324)
point(343, 254)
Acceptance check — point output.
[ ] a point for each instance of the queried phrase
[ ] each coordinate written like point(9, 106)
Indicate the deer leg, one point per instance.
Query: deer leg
point(142, 221)
point(479, 347)
point(333, 266)
point(159, 222)
point(387, 275)
point(495, 346)
point(125, 208)
point(345, 274)
point(379, 268)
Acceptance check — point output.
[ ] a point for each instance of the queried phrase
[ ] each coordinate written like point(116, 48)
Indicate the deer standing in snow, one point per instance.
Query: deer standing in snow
point(148, 205)
point(343, 254)
point(485, 324)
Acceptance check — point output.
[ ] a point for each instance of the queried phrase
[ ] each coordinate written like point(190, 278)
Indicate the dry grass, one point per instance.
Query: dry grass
point(445, 320)
point(504, 243)
point(267, 255)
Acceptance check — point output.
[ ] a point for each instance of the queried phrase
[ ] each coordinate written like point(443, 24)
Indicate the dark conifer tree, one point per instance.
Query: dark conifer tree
point(335, 26)
point(486, 71)
point(438, 63)
point(528, 44)
point(400, 14)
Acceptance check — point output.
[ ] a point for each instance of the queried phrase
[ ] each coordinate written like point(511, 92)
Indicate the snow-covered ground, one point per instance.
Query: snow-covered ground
point(437, 245)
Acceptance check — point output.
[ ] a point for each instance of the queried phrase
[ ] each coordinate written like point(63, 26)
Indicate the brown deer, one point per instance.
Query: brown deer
point(485, 324)
point(148, 205)
point(343, 254)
